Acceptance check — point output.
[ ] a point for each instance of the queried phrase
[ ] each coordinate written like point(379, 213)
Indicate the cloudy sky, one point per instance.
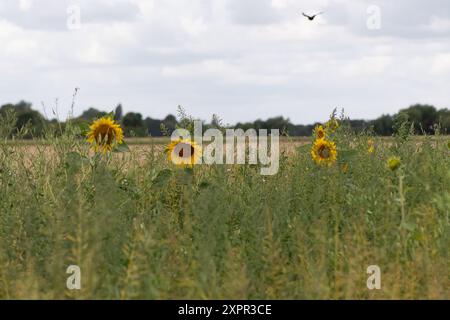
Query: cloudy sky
point(240, 59)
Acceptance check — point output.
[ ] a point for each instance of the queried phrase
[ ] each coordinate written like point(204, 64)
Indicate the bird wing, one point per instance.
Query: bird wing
point(306, 15)
point(317, 14)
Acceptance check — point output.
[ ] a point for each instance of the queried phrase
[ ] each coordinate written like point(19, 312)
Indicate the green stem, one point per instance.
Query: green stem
point(402, 197)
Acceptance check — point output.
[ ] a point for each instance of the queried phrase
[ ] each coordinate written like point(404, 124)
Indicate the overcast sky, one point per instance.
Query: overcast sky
point(240, 59)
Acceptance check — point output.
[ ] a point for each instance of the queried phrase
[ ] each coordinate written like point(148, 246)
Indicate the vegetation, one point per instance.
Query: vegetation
point(425, 118)
point(140, 227)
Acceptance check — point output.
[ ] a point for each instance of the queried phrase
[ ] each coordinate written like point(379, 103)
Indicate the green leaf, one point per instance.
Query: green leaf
point(123, 147)
point(408, 225)
point(204, 184)
point(84, 128)
point(74, 161)
point(75, 157)
point(162, 177)
point(306, 148)
point(348, 154)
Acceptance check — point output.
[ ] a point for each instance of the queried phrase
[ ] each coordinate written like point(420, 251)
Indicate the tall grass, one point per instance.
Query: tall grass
point(141, 229)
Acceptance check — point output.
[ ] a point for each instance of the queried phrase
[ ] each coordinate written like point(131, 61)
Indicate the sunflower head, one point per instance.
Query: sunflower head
point(370, 146)
point(394, 163)
point(324, 152)
point(319, 132)
point(184, 152)
point(104, 134)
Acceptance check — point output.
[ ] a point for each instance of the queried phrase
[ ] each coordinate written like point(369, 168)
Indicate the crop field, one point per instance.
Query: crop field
point(139, 227)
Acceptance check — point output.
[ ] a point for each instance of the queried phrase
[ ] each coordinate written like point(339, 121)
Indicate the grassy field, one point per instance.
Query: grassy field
point(140, 228)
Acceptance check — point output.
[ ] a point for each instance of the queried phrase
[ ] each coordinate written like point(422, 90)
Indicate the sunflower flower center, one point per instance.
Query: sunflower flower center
point(104, 135)
point(324, 152)
point(183, 147)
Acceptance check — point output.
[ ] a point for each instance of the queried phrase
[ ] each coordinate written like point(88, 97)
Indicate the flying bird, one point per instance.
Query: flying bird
point(311, 18)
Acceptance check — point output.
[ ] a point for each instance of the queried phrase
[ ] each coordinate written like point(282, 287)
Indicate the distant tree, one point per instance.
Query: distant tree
point(134, 125)
point(153, 127)
point(118, 113)
point(424, 117)
point(133, 119)
point(26, 117)
point(280, 123)
point(301, 130)
point(444, 120)
point(92, 113)
point(277, 123)
point(383, 126)
point(359, 125)
point(170, 122)
point(20, 107)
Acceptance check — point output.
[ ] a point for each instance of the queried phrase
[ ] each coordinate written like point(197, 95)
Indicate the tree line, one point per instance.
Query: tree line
point(425, 119)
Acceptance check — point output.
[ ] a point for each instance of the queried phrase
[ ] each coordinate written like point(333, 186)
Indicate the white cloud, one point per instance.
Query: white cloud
point(25, 4)
point(366, 66)
point(441, 64)
point(240, 59)
point(438, 24)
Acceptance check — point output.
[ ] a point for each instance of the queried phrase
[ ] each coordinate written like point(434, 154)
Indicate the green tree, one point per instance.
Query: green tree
point(118, 113)
point(92, 114)
point(424, 117)
point(383, 125)
point(134, 125)
point(26, 117)
point(170, 122)
point(444, 120)
point(153, 127)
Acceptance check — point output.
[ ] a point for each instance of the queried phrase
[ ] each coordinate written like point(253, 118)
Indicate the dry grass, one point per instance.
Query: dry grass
point(140, 228)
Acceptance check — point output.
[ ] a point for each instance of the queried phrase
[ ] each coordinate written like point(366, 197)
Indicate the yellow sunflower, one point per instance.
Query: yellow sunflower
point(370, 146)
point(104, 134)
point(184, 152)
point(319, 132)
point(324, 152)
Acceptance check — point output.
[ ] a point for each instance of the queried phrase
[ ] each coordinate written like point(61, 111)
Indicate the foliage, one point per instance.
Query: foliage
point(139, 228)
point(425, 119)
